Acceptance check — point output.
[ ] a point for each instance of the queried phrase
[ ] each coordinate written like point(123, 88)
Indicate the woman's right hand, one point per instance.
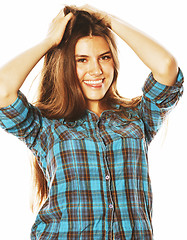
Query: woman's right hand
point(57, 28)
point(14, 73)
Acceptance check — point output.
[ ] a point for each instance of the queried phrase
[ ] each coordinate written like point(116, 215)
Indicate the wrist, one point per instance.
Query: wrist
point(48, 43)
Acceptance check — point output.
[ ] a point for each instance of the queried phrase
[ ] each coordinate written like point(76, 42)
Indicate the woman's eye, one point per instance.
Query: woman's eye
point(106, 57)
point(81, 60)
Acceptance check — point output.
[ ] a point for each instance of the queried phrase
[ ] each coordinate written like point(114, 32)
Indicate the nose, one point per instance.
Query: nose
point(95, 68)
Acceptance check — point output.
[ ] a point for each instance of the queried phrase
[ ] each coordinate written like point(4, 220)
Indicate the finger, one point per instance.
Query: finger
point(61, 16)
point(69, 16)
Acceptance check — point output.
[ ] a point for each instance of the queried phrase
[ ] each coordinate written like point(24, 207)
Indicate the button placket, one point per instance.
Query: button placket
point(106, 177)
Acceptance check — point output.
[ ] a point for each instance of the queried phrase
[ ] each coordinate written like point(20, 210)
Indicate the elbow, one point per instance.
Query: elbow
point(4, 92)
point(168, 71)
point(171, 66)
point(171, 71)
point(6, 96)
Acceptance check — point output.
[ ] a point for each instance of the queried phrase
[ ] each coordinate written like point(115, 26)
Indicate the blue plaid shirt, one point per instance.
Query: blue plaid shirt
point(96, 167)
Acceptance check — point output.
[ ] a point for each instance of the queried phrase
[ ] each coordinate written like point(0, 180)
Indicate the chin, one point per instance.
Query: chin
point(94, 98)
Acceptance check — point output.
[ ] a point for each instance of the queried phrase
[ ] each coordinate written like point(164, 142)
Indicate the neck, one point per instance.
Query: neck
point(95, 107)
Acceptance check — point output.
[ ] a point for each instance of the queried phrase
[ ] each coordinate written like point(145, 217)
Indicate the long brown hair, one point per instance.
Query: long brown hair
point(60, 94)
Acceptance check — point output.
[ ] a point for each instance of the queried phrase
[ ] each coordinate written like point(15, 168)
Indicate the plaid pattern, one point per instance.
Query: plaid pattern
point(96, 168)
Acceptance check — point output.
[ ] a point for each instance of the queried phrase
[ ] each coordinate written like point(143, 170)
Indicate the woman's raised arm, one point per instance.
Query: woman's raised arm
point(162, 64)
point(14, 73)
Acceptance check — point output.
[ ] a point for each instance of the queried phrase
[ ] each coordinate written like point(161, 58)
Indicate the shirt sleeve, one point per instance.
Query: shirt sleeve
point(25, 122)
point(157, 101)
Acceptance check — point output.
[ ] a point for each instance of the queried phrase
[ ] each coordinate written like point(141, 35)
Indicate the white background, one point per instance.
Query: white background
point(23, 24)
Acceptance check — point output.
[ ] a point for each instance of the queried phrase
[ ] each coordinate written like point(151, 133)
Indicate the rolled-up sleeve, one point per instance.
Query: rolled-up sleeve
point(157, 101)
point(25, 121)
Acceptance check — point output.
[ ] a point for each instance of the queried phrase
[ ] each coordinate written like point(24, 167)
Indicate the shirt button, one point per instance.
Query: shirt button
point(110, 206)
point(107, 177)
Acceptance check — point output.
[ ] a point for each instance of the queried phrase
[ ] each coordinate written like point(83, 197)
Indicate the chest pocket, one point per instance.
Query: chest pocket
point(128, 129)
point(70, 133)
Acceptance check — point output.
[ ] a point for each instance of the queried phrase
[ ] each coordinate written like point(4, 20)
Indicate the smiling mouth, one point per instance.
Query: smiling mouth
point(94, 83)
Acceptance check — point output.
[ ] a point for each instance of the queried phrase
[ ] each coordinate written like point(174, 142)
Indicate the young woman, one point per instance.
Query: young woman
point(89, 142)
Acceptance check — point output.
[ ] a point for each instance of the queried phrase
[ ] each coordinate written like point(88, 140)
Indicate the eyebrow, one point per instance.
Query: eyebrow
point(102, 54)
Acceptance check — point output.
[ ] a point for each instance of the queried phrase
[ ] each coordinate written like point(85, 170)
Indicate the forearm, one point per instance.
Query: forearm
point(14, 73)
point(154, 56)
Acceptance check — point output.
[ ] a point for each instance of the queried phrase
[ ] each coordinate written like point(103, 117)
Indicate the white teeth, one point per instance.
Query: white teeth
point(94, 82)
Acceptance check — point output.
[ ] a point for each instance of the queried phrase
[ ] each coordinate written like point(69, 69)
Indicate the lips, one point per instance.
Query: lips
point(94, 83)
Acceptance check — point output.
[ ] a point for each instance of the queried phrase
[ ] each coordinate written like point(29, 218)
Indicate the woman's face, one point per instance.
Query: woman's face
point(95, 67)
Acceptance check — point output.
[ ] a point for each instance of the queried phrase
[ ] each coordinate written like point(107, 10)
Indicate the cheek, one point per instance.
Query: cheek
point(80, 72)
point(109, 71)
